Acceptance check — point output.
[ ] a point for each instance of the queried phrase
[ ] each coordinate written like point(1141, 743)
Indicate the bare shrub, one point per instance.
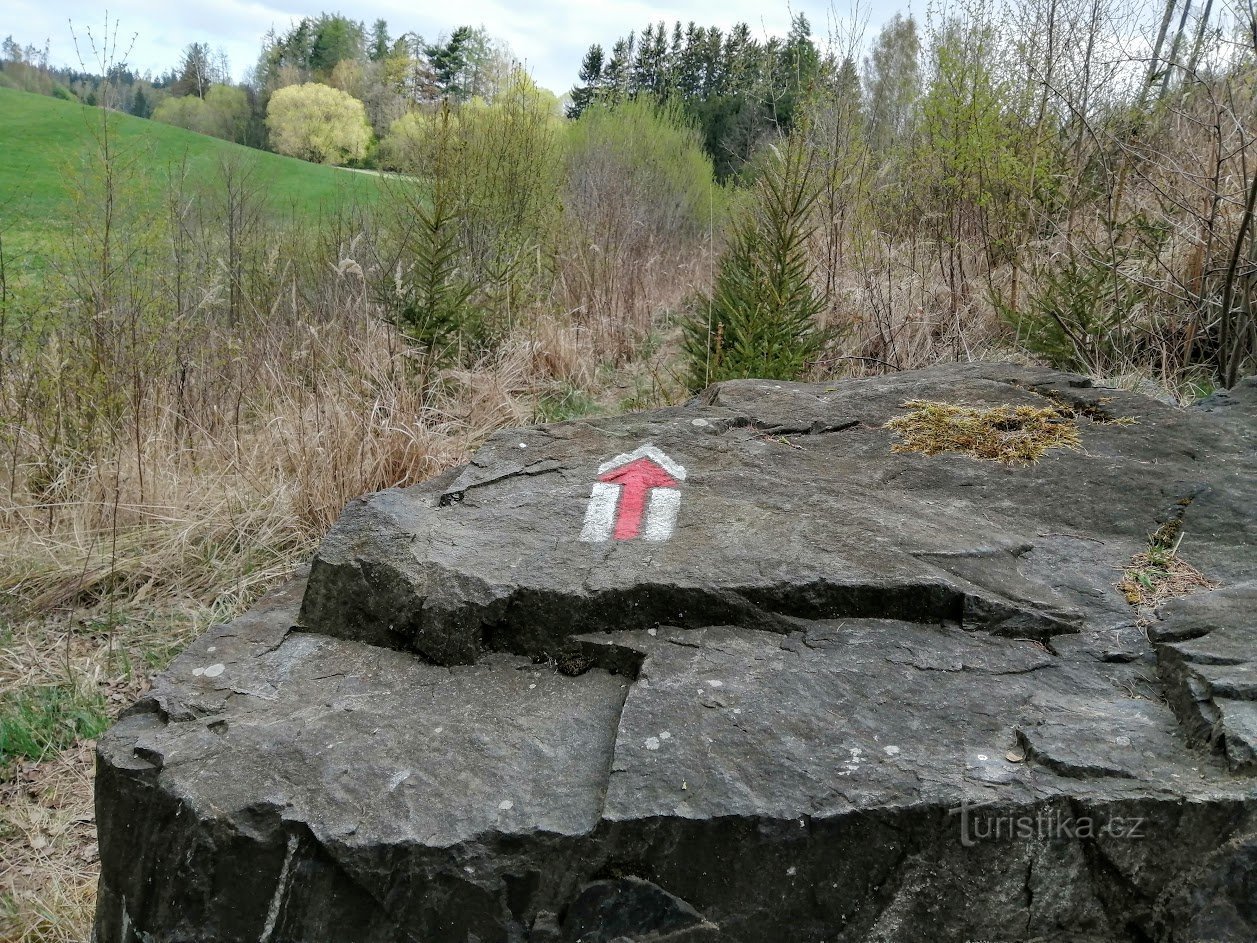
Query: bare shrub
point(639, 198)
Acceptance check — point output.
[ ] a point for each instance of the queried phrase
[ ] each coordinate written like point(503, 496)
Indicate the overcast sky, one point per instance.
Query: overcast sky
point(550, 36)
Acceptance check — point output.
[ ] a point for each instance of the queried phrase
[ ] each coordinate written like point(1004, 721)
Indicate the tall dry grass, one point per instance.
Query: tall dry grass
point(243, 452)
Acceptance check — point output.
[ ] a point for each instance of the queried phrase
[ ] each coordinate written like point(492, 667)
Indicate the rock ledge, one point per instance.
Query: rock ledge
point(729, 671)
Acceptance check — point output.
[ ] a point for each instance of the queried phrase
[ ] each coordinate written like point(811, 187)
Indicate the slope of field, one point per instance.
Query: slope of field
point(49, 146)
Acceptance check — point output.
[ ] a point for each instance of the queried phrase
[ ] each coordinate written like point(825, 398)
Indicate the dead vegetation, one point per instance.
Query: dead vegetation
point(180, 437)
point(1158, 573)
point(88, 664)
point(1010, 435)
point(48, 856)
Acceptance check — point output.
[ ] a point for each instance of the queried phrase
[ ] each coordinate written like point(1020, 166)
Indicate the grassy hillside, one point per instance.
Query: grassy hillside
point(47, 145)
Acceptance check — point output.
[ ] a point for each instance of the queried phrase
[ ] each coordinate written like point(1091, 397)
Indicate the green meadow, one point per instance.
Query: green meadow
point(50, 153)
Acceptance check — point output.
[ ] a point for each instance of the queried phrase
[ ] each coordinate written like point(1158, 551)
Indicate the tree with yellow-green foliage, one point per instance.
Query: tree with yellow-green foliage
point(318, 123)
point(222, 113)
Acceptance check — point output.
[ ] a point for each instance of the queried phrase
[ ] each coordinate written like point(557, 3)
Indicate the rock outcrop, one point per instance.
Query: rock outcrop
point(730, 671)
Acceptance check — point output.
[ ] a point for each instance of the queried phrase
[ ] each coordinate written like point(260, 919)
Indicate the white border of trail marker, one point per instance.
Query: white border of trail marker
point(637, 494)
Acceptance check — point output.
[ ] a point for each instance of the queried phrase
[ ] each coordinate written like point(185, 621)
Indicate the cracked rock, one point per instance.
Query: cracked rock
point(729, 671)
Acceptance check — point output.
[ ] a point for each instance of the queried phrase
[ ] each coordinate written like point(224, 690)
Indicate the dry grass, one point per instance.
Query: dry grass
point(48, 855)
point(197, 513)
point(893, 309)
point(1159, 574)
point(1011, 435)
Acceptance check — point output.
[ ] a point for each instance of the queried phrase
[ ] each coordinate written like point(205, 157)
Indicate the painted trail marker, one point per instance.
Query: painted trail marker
point(636, 495)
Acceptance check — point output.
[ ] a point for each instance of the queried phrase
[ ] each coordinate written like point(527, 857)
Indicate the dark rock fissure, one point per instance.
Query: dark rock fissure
point(817, 427)
point(541, 624)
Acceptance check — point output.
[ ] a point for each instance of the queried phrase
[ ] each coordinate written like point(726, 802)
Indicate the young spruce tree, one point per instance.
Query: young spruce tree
point(760, 319)
point(430, 304)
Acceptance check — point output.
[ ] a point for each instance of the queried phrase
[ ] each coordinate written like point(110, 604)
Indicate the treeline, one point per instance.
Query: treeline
point(739, 90)
point(390, 75)
point(26, 68)
point(339, 87)
point(366, 77)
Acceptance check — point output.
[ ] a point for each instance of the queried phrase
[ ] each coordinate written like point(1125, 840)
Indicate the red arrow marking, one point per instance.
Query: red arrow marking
point(635, 479)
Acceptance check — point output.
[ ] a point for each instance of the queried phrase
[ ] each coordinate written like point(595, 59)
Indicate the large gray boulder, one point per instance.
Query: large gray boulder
point(730, 671)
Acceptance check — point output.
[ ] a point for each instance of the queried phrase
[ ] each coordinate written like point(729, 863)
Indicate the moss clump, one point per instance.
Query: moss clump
point(1012, 435)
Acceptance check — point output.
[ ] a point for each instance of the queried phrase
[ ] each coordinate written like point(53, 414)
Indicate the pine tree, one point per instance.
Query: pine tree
point(714, 70)
point(430, 304)
point(380, 43)
point(141, 107)
point(616, 75)
point(797, 65)
point(583, 95)
point(449, 62)
point(196, 73)
point(689, 68)
point(650, 68)
point(336, 38)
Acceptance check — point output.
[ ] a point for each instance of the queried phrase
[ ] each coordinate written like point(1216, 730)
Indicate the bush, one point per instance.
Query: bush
point(222, 113)
point(1076, 315)
point(474, 250)
point(318, 123)
point(402, 149)
point(638, 164)
point(640, 195)
point(1093, 311)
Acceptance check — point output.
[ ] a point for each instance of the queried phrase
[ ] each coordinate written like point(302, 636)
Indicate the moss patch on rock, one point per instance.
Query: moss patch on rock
point(1011, 435)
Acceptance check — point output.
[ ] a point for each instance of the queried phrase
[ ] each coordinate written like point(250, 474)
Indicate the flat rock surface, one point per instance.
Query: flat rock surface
point(734, 670)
